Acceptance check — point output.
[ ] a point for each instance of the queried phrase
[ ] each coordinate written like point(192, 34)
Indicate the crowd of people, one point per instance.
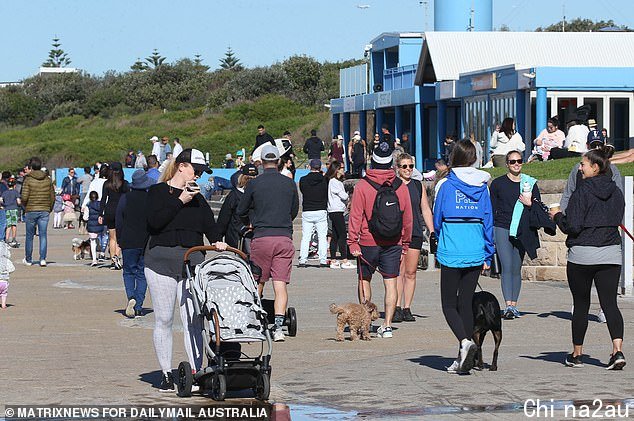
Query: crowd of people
point(147, 225)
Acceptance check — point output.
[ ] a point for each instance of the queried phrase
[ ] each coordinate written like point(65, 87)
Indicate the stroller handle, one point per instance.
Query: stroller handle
point(213, 248)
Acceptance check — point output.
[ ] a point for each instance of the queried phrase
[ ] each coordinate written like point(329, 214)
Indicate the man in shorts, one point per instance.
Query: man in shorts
point(272, 202)
point(377, 253)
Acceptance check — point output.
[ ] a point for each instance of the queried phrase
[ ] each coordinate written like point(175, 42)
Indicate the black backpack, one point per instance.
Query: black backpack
point(386, 221)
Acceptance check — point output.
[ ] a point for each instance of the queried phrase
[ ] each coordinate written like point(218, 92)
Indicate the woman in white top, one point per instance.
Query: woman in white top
point(505, 140)
point(285, 167)
point(337, 200)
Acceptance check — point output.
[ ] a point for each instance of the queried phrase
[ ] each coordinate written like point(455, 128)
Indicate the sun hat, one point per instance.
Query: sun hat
point(140, 181)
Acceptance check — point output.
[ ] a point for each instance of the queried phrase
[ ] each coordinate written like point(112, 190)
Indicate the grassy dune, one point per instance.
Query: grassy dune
point(78, 141)
point(555, 170)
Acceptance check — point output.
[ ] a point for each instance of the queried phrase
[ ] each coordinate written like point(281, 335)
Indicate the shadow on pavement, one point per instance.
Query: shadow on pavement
point(436, 362)
point(559, 357)
point(153, 378)
point(559, 314)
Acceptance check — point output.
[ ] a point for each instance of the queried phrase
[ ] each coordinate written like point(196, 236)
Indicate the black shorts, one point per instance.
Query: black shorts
point(387, 259)
point(416, 243)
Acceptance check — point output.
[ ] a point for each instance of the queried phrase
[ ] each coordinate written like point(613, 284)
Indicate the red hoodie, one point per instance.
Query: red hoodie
point(361, 211)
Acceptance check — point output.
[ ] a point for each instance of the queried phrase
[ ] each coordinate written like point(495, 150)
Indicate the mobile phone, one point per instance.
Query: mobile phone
point(192, 187)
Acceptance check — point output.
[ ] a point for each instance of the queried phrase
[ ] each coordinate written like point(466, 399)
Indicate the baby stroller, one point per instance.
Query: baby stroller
point(226, 295)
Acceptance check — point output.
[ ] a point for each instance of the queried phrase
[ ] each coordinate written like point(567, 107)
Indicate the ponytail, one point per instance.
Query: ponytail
point(601, 157)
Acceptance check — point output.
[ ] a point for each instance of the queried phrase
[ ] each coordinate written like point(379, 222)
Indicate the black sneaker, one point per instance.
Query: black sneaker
point(407, 315)
point(167, 383)
point(301, 265)
point(572, 361)
point(138, 313)
point(398, 315)
point(617, 361)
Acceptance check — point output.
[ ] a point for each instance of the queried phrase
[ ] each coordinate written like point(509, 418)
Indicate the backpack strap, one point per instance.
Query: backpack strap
point(376, 186)
point(395, 184)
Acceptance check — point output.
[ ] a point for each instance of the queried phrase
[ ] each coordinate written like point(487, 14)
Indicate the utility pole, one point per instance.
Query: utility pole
point(471, 26)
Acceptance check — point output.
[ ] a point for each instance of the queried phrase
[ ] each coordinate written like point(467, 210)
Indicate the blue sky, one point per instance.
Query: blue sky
point(112, 34)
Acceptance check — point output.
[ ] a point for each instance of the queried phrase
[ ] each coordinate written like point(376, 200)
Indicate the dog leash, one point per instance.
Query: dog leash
point(629, 234)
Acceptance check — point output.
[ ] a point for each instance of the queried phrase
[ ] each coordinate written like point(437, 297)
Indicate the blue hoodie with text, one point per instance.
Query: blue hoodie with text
point(463, 219)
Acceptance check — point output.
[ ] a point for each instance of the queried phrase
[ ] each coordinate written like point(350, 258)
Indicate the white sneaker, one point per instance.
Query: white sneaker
point(453, 368)
point(348, 265)
point(25, 262)
point(467, 355)
point(129, 310)
point(384, 332)
point(278, 335)
point(335, 264)
point(601, 316)
point(43, 263)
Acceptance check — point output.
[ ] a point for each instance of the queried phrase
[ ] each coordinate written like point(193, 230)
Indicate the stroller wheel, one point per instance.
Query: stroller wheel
point(291, 321)
point(185, 380)
point(263, 387)
point(218, 387)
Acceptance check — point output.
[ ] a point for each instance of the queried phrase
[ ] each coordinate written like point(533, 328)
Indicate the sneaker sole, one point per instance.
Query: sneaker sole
point(617, 365)
point(129, 310)
point(573, 365)
point(469, 360)
point(167, 390)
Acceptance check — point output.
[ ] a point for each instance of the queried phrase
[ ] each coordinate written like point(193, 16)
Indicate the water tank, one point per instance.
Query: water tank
point(456, 15)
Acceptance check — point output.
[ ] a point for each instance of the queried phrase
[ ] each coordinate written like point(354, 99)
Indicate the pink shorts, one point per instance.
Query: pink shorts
point(274, 255)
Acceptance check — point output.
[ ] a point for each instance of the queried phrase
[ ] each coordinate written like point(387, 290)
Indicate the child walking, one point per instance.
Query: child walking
point(58, 209)
point(11, 202)
point(6, 267)
point(69, 213)
point(93, 226)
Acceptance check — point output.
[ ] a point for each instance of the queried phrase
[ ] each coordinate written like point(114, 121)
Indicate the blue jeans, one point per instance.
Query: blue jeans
point(134, 276)
point(102, 238)
point(31, 219)
point(3, 224)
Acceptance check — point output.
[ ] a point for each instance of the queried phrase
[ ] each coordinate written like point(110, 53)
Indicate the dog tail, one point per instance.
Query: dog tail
point(335, 309)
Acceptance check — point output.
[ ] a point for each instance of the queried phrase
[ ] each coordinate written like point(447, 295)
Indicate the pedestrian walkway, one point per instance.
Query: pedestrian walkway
point(64, 340)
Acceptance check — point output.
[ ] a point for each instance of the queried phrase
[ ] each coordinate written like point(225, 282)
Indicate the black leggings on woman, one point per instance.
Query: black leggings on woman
point(339, 235)
point(457, 286)
point(606, 280)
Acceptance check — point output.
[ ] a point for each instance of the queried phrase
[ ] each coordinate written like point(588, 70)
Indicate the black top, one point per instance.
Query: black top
point(593, 214)
point(314, 188)
point(358, 157)
point(172, 223)
point(415, 188)
point(504, 195)
point(262, 139)
point(110, 199)
point(270, 202)
point(229, 224)
point(313, 147)
point(131, 221)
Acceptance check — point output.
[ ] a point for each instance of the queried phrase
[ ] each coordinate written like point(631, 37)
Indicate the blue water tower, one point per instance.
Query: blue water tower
point(463, 15)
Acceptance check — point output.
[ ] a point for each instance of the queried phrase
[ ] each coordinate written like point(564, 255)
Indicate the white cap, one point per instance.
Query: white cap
point(154, 138)
point(270, 153)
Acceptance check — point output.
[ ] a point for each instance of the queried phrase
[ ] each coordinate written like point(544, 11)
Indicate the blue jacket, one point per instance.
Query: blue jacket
point(463, 219)
point(94, 210)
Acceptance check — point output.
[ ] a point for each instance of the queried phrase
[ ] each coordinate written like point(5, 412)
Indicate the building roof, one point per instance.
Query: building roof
point(445, 55)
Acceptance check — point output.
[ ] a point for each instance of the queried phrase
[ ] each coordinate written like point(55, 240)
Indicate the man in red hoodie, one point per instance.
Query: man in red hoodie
point(376, 252)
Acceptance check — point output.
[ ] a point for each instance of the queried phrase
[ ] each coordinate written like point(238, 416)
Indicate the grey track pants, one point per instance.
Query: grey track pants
point(164, 291)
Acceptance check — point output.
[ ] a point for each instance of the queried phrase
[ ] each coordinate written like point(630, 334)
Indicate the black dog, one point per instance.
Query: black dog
point(486, 317)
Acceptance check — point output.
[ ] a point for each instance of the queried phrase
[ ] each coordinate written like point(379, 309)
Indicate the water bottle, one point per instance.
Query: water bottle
point(526, 190)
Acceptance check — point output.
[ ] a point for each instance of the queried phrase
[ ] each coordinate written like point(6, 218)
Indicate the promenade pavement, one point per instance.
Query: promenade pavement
point(64, 340)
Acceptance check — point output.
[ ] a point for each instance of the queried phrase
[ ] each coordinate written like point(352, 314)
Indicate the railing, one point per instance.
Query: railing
point(353, 81)
point(399, 77)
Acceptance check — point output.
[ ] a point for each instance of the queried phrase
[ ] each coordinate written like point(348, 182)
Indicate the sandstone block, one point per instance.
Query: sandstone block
point(550, 273)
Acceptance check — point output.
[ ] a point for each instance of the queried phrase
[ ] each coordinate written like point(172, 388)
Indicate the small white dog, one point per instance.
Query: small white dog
point(81, 249)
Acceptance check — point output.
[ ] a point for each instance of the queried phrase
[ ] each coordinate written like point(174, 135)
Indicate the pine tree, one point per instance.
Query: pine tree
point(198, 63)
point(230, 61)
point(139, 66)
point(155, 60)
point(56, 57)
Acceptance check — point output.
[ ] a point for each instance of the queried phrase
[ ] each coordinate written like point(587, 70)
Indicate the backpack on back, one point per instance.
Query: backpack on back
point(386, 221)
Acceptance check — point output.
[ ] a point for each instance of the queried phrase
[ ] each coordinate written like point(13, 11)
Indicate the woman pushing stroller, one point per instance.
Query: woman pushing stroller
point(178, 217)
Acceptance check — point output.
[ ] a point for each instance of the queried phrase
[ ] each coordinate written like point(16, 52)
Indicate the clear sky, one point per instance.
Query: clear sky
point(100, 35)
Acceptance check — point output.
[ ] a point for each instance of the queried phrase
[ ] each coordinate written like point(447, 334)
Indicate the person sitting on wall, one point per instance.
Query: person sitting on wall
point(549, 138)
point(575, 142)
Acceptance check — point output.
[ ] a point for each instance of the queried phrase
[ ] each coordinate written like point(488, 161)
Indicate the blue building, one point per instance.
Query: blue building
point(463, 78)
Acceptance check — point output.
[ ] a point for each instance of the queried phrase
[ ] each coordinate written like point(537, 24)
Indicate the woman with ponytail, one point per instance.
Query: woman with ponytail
point(594, 212)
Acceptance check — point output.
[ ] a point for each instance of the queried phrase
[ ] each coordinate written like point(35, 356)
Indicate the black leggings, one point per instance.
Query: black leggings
point(457, 286)
point(606, 280)
point(339, 235)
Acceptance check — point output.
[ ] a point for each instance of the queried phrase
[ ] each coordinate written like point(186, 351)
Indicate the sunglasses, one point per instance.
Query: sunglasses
point(515, 161)
point(406, 166)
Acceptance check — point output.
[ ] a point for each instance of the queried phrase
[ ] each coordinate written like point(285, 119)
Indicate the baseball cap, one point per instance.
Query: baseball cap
point(194, 157)
point(357, 132)
point(154, 138)
point(250, 170)
point(270, 153)
point(315, 164)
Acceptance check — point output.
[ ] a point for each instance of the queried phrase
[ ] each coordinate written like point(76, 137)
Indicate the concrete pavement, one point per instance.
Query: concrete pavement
point(64, 340)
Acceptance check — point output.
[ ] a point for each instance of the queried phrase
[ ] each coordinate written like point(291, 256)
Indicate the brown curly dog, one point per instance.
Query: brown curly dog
point(358, 316)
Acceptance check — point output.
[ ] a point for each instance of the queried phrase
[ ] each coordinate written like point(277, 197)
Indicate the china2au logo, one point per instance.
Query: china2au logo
point(463, 202)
